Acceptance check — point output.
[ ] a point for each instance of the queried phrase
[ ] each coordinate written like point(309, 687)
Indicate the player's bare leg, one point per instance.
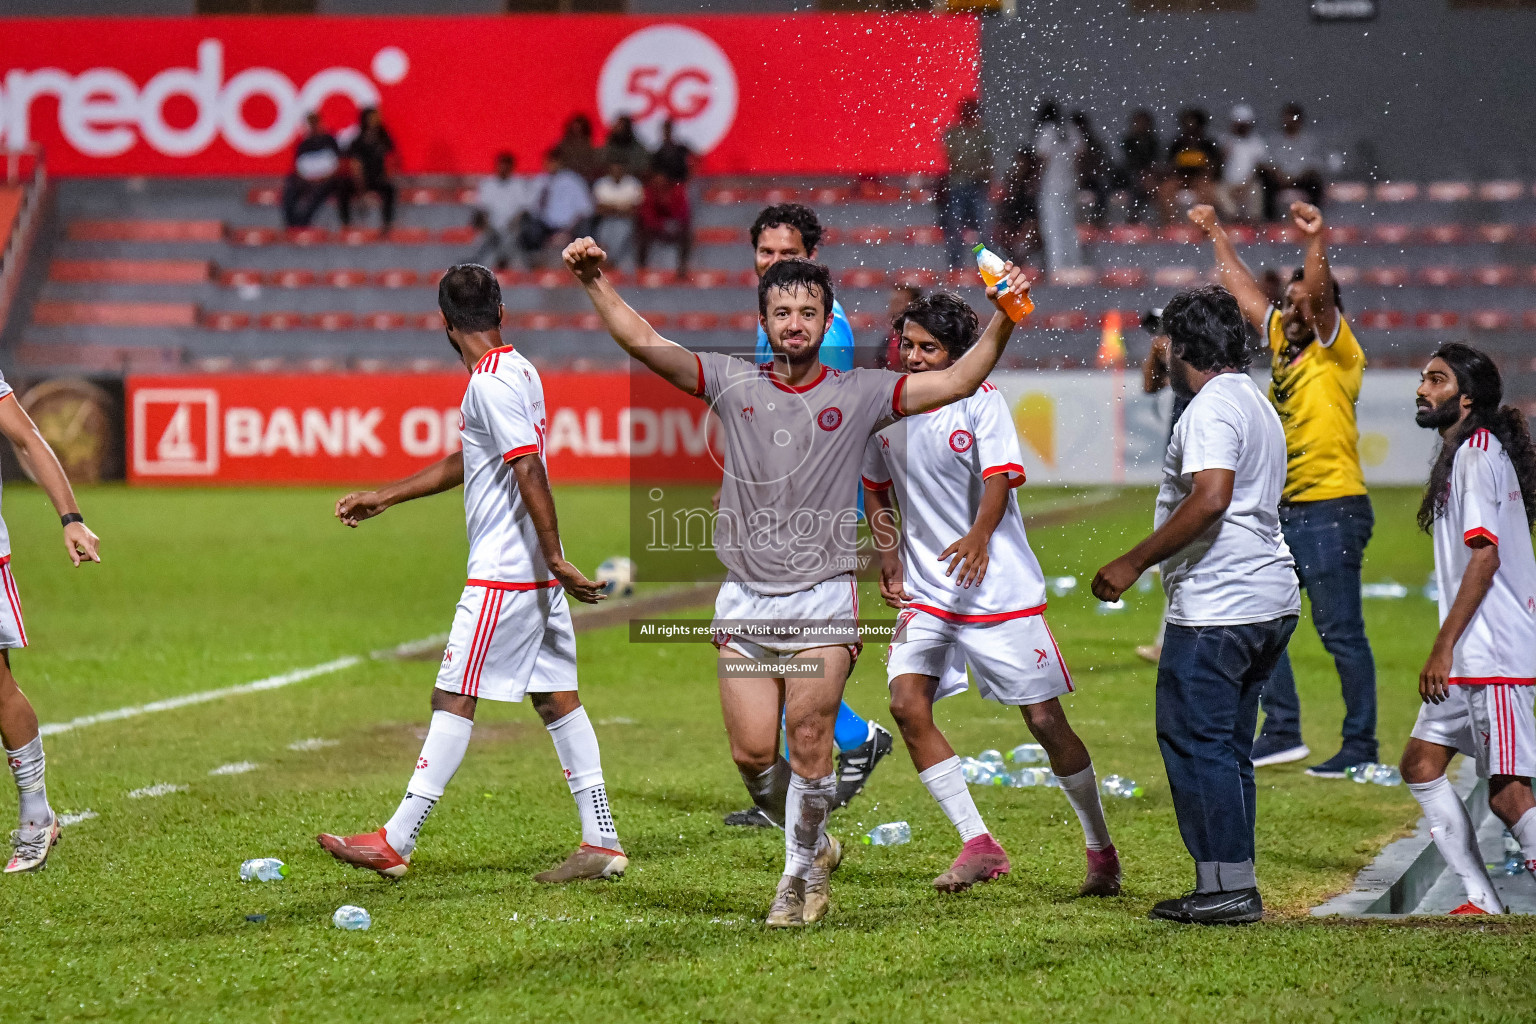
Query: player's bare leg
point(751, 708)
point(1074, 770)
point(810, 854)
point(1450, 826)
point(599, 855)
point(38, 827)
point(981, 857)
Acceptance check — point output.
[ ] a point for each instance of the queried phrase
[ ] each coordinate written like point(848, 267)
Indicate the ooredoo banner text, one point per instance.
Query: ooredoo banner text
point(212, 96)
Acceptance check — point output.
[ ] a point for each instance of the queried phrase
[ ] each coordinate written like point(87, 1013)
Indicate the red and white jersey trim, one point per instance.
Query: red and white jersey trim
point(949, 616)
point(1013, 469)
point(1482, 532)
point(1489, 681)
point(514, 585)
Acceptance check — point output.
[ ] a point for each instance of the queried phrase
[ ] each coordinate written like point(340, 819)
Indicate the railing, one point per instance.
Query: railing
point(24, 167)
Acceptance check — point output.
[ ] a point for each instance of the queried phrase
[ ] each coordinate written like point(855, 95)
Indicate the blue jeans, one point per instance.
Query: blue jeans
point(1208, 684)
point(967, 209)
point(1328, 539)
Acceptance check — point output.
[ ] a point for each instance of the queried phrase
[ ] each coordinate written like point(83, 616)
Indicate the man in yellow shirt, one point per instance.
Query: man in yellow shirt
point(1316, 366)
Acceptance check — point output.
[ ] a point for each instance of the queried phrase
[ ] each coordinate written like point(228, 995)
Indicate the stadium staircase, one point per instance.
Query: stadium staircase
point(196, 274)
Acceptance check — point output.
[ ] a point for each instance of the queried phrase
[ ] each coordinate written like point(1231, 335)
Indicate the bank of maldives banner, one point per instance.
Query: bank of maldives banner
point(194, 96)
point(1074, 428)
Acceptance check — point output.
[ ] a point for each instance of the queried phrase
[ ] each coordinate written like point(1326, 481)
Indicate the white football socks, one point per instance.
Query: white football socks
point(1524, 832)
point(441, 755)
point(27, 766)
point(1082, 790)
point(576, 746)
point(946, 784)
point(1451, 828)
point(805, 821)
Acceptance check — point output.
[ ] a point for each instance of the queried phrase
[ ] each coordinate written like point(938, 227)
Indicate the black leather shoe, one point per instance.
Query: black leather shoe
point(1241, 906)
point(752, 817)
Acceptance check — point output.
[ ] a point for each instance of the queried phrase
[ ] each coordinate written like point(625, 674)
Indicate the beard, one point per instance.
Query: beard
point(1438, 417)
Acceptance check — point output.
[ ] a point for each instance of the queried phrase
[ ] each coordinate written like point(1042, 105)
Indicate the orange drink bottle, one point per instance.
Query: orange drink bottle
point(1016, 304)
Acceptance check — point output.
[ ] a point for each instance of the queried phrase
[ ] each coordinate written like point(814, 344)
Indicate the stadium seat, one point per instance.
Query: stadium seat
point(115, 314)
point(1396, 191)
point(265, 195)
point(226, 320)
point(462, 234)
point(1176, 277)
point(868, 235)
point(1380, 319)
point(381, 321)
point(718, 235)
point(698, 321)
point(240, 278)
point(1129, 234)
point(130, 271)
point(1065, 320)
point(651, 278)
point(866, 321)
point(1123, 277)
point(397, 278)
point(1182, 234)
point(416, 195)
point(1491, 319)
point(918, 277)
point(925, 234)
point(292, 277)
point(1449, 191)
point(1445, 234)
point(146, 231)
point(281, 321)
point(549, 277)
point(829, 195)
point(358, 236)
point(1282, 234)
point(1500, 191)
point(1436, 320)
point(742, 322)
point(862, 277)
point(1243, 234)
point(346, 278)
point(710, 279)
point(1497, 276)
point(308, 236)
point(1528, 322)
point(1345, 234)
point(1496, 233)
point(775, 194)
point(1391, 234)
point(726, 195)
point(253, 236)
point(1439, 277)
point(1345, 275)
point(339, 320)
point(1348, 192)
point(409, 236)
point(1074, 277)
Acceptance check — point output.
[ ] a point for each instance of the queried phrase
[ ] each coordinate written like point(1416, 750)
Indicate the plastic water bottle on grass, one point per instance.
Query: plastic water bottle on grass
point(1021, 778)
point(892, 833)
point(351, 919)
point(1387, 775)
point(263, 869)
point(1119, 785)
point(1026, 753)
point(977, 773)
point(992, 757)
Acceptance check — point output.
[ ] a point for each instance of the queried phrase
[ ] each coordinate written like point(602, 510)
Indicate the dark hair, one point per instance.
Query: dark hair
point(793, 274)
point(1207, 330)
point(946, 316)
point(1338, 296)
point(1477, 378)
point(470, 297)
point(1048, 111)
point(790, 215)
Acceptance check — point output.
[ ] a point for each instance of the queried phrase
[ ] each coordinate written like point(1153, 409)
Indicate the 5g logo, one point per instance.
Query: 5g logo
point(670, 72)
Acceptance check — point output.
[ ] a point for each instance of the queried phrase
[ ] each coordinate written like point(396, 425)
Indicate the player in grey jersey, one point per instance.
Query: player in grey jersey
point(794, 434)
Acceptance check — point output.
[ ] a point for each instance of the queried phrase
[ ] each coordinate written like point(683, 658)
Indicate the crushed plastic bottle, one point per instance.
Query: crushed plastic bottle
point(1119, 785)
point(1109, 607)
point(1514, 859)
point(1431, 589)
point(1026, 753)
point(263, 869)
point(1061, 586)
point(892, 833)
point(977, 773)
point(1388, 589)
point(1372, 771)
point(1024, 777)
point(351, 919)
point(992, 757)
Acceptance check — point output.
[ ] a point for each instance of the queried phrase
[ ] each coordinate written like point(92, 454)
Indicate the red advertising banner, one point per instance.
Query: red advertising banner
point(211, 96)
point(230, 428)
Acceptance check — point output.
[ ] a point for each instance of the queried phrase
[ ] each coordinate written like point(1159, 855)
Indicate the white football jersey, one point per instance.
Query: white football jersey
point(1499, 645)
point(938, 463)
point(501, 419)
point(6, 391)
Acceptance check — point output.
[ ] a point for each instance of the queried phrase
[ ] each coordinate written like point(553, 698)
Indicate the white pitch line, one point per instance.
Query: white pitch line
point(298, 675)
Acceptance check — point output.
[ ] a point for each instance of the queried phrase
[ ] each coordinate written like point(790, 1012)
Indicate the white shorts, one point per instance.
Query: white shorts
point(1491, 723)
point(1016, 661)
point(764, 626)
point(507, 641)
point(12, 632)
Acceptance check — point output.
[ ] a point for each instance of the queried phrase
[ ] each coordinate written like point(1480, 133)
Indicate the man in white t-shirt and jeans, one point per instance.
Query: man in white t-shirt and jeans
point(1233, 600)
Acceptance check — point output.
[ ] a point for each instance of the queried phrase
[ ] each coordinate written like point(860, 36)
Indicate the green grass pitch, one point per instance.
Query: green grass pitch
point(141, 916)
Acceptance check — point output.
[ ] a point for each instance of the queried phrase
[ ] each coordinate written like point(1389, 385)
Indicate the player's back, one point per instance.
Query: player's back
point(501, 420)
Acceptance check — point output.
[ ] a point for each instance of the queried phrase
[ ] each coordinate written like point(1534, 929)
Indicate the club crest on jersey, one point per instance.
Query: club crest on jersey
point(830, 418)
point(961, 441)
point(748, 413)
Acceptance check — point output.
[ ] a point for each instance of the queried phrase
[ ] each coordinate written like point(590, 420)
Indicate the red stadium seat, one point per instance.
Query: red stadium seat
point(339, 320)
point(657, 319)
point(587, 322)
point(1445, 234)
point(1345, 234)
point(866, 321)
point(358, 236)
point(463, 234)
point(916, 195)
point(1182, 234)
point(831, 236)
point(1385, 277)
point(862, 277)
point(294, 277)
point(742, 321)
point(1123, 277)
point(280, 321)
point(698, 321)
point(239, 278)
point(829, 195)
point(1500, 191)
point(130, 271)
point(253, 236)
point(432, 321)
point(775, 194)
point(308, 236)
point(346, 278)
point(925, 234)
point(1528, 322)
point(1436, 320)
point(1130, 234)
point(416, 195)
point(718, 236)
point(269, 364)
point(1065, 320)
point(1497, 233)
point(549, 277)
point(537, 321)
point(1491, 320)
point(226, 320)
point(379, 321)
point(410, 236)
point(1380, 319)
point(1439, 277)
point(1396, 191)
point(1391, 234)
point(115, 314)
point(650, 278)
point(726, 195)
point(1074, 277)
point(509, 277)
point(465, 195)
point(709, 279)
point(1282, 234)
point(868, 235)
point(868, 190)
point(265, 195)
point(146, 231)
point(1176, 277)
point(1087, 234)
point(1496, 276)
point(399, 278)
point(1349, 192)
point(1243, 234)
point(1344, 274)
point(1449, 191)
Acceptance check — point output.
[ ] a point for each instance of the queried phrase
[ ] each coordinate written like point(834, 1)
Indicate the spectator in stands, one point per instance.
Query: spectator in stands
point(1194, 162)
point(562, 211)
point(1296, 161)
point(501, 202)
point(1018, 212)
point(371, 152)
point(968, 149)
point(576, 149)
point(317, 175)
point(1244, 156)
point(1095, 170)
point(1056, 147)
point(625, 148)
point(1140, 153)
point(665, 216)
point(617, 195)
point(672, 158)
point(902, 296)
